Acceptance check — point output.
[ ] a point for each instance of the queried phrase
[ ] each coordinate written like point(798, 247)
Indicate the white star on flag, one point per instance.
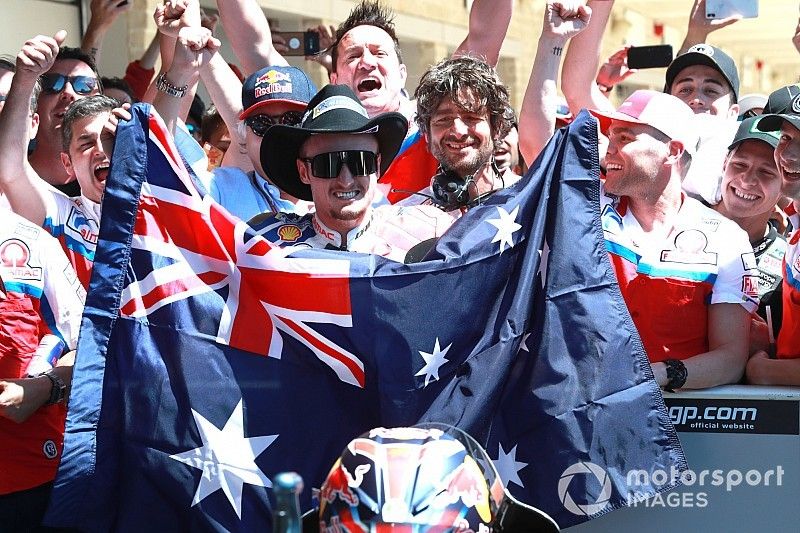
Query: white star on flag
point(508, 467)
point(433, 362)
point(506, 226)
point(524, 343)
point(227, 458)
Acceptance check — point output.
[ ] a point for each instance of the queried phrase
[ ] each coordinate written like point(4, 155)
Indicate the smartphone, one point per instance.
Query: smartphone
point(656, 56)
point(720, 9)
point(300, 43)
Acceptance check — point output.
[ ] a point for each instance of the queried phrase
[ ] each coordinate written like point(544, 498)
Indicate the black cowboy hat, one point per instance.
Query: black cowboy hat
point(335, 109)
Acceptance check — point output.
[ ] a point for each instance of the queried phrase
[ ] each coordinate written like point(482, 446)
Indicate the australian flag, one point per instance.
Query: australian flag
point(211, 360)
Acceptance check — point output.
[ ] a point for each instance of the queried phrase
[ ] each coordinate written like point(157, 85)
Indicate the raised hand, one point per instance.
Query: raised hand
point(38, 54)
point(105, 12)
point(173, 15)
point(698, 23)
point(615, 69)
point(566, 18)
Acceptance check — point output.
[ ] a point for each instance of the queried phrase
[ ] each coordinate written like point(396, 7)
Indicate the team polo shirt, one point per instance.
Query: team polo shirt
point(789, 336)
point(669, 282)
point(75, 222)
point(42, 295)
point(389, 231)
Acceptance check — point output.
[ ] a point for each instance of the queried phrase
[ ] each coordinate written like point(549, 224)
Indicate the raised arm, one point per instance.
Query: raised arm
point(103, 15)
point(728, 339)
point(582, 61)
point(225, 90)
point(699, 26)
point(25, 190)
point(488, 24)
point(193, 48)
point(538, 115)
point(248, 32)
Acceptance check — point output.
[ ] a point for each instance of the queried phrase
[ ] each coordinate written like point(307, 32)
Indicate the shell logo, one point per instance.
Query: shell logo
point(289, 233)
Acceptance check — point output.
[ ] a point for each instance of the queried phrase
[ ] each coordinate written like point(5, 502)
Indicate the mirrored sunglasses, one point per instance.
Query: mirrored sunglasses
point(54, 83)
point(261, 123)
point(328, 165)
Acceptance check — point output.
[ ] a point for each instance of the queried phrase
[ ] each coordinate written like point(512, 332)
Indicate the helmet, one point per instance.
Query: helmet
point(428, 478)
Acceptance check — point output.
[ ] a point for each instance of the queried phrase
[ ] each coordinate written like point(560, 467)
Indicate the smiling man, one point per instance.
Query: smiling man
point(334, 158)
point(751, 187)
point(784, 106)
point(705, 78)
point(72, 76)
point(463, 111)
point(86, 141)
point(684, 270)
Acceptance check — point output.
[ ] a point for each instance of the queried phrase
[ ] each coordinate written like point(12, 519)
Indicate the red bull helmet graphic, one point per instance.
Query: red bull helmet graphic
point(428, 478)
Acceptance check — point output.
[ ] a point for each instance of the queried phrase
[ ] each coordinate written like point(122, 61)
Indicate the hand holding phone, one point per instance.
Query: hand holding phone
point(300, 43)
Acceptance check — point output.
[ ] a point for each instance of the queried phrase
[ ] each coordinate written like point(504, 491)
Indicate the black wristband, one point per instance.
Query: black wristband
point(58, 388)
point(676, 375)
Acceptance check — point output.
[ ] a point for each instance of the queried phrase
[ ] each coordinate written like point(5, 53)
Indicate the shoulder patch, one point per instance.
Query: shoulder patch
point(289, 232)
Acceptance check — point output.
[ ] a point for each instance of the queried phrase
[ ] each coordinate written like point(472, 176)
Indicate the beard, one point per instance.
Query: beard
point(463, 166)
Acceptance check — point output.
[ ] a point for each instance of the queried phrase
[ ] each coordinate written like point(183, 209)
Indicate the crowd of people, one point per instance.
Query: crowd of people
point(700, 185)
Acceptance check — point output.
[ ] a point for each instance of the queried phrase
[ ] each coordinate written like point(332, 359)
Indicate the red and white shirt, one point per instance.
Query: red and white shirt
point(75, 222)
point(42, 295)
point(789, 336)
point(669, 282)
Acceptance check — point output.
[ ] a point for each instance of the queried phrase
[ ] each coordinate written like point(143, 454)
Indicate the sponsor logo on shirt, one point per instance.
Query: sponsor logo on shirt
point(289, 232)
point(15, 259)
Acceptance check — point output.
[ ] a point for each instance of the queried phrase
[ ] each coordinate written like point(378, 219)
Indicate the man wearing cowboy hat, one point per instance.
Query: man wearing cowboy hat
point(334, 158)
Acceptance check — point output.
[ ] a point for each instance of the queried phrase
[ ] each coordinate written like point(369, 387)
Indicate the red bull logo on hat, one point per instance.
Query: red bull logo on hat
point(272, 82)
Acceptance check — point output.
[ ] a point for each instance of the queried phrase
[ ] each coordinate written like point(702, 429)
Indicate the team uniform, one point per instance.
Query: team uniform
point(769, 253)
point(75, 222)
point(789, 337)
point(389, 231)
point(669, 283)
point(42, 295)
point(246, 194)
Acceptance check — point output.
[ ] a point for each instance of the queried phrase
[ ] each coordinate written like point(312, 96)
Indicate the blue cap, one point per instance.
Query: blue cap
point(276, 84)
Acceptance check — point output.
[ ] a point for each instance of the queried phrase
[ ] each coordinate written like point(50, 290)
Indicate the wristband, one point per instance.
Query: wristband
point(167, 88)
point(58, 389)
point(676, 375)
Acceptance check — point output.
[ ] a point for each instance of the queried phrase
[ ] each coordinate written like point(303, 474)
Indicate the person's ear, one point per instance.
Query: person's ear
point(676, 150)
point(733, 111)
point(34, 126)
point(302, 169)
point(67, 162)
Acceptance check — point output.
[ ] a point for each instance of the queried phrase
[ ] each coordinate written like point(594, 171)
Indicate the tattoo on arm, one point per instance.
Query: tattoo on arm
point(93, 53)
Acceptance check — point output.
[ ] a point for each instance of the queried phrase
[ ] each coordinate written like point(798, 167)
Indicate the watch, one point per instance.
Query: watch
point(166, 87)
point(676, 375)
point(58, 389)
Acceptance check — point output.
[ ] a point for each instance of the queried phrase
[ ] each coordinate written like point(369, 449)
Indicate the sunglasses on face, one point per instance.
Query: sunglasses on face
point(261, 123)
point(54, 83)
point(328, 165)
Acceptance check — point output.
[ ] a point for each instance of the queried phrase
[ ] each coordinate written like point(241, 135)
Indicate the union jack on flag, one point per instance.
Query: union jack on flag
point(210, 360)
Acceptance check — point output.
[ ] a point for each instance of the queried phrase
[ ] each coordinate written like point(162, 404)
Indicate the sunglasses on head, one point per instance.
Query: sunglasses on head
point(261, 123)
point(328, 165)
point(54, 83)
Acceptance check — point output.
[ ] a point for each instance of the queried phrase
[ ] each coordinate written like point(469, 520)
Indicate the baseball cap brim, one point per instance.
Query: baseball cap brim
point(774, 122)
point(281, 147)
point(266, 104)
point(749, 131)
point(605, 119)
